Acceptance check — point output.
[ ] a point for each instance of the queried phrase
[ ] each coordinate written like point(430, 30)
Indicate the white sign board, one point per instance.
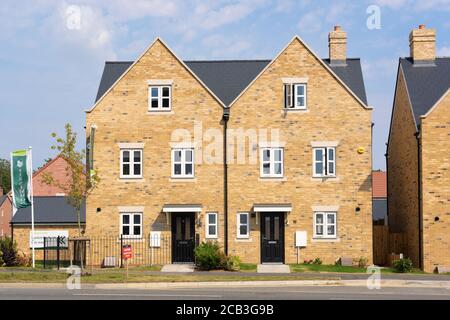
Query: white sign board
point(39, 236)
point(155, 239)
point(300, 239)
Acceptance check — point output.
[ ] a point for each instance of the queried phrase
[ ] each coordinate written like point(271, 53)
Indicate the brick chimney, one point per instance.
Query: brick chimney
point(422, 44)
point(337, 44)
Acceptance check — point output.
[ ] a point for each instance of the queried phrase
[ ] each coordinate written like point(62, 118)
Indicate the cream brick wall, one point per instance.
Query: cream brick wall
point(122, 117)
point(435, 141)
point(403, 203)
point(333, 115)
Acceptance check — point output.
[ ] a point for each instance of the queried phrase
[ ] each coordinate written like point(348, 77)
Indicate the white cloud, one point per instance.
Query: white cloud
point(393, 4)
point(311, 22)
point(443, 52)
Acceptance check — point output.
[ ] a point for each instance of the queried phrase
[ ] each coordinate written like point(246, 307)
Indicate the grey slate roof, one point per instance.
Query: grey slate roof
point(426, 83)
point(228, 78)
point(49, 210)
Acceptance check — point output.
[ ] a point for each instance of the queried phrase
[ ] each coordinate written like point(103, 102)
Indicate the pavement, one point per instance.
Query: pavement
point(178, 268)
point(273, 268)
point(268, 292)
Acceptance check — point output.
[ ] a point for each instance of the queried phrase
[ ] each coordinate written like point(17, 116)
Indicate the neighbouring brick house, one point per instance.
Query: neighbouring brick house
point(379, 198)
point(5, 214)
point(311, 172)
point(53, 215)
point(418, 153)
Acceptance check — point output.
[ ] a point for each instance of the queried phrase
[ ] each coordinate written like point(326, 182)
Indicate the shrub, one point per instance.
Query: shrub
point(403, 265)
point(208, 256)
point(8, 249)
point(23, 260)
point(231, 263)
point(307, 261)
point(317, 261)
point(338, 262)
point(362, 262)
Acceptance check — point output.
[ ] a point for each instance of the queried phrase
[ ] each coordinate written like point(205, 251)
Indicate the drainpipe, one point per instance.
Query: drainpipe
point(419, 189)
point(225, 118)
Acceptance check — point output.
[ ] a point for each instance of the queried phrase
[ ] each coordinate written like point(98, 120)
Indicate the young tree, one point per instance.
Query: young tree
point(5, 175)
point(80, 184)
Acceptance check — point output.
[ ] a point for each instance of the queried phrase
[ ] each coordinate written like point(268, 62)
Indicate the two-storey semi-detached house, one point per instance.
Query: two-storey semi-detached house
point(295, 132)
point(418, 153)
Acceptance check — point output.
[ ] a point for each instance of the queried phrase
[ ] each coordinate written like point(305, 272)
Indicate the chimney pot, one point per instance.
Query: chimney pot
point(421, 26)
point(337, 28)
point(422, 44)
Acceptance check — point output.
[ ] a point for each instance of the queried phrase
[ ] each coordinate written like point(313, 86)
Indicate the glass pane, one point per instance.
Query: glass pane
point(154, 103)
point(187, 234)
point(330, 154)
point(165, 91)
point(243, 230)
point(126, 230)
point(177, 155)
point(319, 168)
point(243, 218)
point(330, 218)
point(126, 156)
point(319, 218)
point(276, 229)
point(137, 169)
point(137, 156)
point(126, 169)
point(177, 169)
point(154, 91)
point(278, 168)
point(212, 218)
point(188, 169)
point(137, 230)
point(125, 219)
point(277, 155)
point(301, 90)
point(137, 219)
point(188, 155)
point(267, 228)
point(166, 103)
point(212, 230)
point(319, 230)
point(319, 154)
point(266, 168)
point(330, 230)
point(300, 101)
point(331, 167)
point(266, 155)
point(178, 227)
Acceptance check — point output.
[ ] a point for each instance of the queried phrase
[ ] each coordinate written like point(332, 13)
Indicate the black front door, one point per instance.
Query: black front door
point(183, 239)
point(272, 237)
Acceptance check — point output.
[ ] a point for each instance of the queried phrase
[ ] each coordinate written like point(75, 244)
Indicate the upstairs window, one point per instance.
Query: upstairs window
point(271, 162)
point(183, 163)
point(324, 162)
point(295, 96)
point(160, 98)
point(131, 163)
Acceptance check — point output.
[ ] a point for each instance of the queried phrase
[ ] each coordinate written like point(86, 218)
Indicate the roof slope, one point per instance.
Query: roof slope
point(379, 185)
point(426, 83)
point(228, 78)
point(50, 210)
point(3, 198)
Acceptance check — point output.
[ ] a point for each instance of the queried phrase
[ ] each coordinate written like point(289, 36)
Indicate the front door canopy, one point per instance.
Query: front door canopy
point(182, 208)
point(273, 207)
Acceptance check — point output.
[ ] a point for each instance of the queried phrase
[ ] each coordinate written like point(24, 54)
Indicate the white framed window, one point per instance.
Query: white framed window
point(159, 98)
point(295, 96)
point(243, 225)
point(271, 162)
point(325, 225)
point(131, 225)
point(211, 225)
point(324, 162)
point(183, 163)
point(131, 163)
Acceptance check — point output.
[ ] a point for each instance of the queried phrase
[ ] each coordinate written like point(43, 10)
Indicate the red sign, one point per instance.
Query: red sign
point(127, 253)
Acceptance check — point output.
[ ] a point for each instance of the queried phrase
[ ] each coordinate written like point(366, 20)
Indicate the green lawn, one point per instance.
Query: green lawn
point(325, 268)
point(248, 267)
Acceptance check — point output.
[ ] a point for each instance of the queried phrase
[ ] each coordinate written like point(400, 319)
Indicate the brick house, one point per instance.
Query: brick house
point(5, 213)
point(418, 153)
point(53, 215)
point(296, 167)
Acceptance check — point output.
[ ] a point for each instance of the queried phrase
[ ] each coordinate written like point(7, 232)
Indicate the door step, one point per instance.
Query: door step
point(273, 268)
point(183, 268)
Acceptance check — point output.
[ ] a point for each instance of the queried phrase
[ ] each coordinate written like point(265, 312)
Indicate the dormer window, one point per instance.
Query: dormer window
point(295, 96)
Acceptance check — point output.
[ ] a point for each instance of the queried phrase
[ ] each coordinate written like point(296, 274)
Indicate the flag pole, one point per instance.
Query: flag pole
point(32, 207)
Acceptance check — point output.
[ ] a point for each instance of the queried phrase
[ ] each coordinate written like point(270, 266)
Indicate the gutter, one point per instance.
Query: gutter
point(225, 118)
point(419, 191)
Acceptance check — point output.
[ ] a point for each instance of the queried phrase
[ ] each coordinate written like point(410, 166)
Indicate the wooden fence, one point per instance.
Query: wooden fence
point(386, 243)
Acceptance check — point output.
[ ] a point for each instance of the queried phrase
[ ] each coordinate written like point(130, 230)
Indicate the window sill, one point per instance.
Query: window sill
point(131, 179)
point(243, 240)
point(325, 178)
point(274, 179)
point(183, 179)
point(318, 240)
point(211, 238)
point(294, 110)
point(132, 239)
point(160, 112)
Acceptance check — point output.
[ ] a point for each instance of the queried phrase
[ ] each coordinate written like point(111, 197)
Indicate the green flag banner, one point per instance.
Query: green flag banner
point(21, 179)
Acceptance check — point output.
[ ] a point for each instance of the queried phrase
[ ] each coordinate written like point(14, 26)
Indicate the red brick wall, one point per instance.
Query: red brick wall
point(5, 218)
point(57, 168)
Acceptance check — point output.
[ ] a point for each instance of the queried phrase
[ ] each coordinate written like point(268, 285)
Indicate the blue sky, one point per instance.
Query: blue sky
point(50, 71)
